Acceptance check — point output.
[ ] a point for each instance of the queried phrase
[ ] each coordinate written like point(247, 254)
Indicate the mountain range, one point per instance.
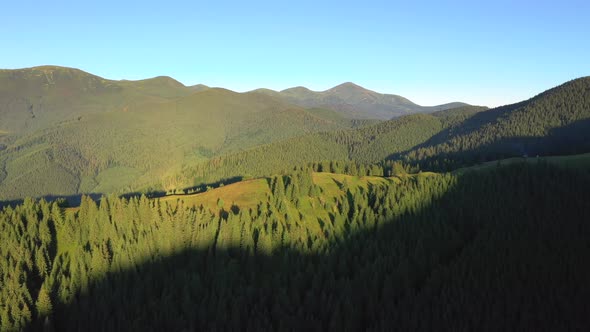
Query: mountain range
point(67, 132)
point(33, 98)
point(355, 101)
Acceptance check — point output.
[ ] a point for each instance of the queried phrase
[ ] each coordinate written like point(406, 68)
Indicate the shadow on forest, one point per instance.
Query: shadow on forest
point(571, 139)
point(485, 255)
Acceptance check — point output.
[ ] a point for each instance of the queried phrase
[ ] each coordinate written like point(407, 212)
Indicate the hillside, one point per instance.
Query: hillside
point(178, 138)
point(118, 136)
point(366, 145)
point(249, 193)
point(81, 133)
point(90, 134)
point(37, 98)
point(577, 162)
point(554, 122)
point(355, 102)
point(316, 251)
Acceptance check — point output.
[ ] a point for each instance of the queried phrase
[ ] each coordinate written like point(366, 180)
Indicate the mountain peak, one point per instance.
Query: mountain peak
point(50, 70)
point(163, 80)
point(347, 88)
point(348, 85)
point(199, 87)
point(297, 89)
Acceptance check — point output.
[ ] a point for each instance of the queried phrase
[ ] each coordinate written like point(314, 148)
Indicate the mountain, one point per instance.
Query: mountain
point(364, 145)
point(355, 101)
point(64, 131)
point(555, 122)
point(37, 98)
point(198, 87)
point(67, 132)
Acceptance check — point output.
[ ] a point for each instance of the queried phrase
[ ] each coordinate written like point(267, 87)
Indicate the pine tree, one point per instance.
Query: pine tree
point(43, 303)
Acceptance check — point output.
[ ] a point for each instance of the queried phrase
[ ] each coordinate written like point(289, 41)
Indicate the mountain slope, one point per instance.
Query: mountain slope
point(411, 253)
point(556, 121)
point(156, 134)
point(138, 133)
point(37, 98)
point(355, 102)
point(365, 145)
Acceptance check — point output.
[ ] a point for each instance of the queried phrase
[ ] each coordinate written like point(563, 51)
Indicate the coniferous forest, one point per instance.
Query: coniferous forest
point(504, 249)
point(153, 206)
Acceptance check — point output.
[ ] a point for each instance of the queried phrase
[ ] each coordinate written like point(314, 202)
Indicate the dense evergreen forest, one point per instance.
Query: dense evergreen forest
point(501, 249)
point(364, 146)
point(556, 121)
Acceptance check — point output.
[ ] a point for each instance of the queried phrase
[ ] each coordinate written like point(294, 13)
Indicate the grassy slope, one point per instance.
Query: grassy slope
point(247, 194)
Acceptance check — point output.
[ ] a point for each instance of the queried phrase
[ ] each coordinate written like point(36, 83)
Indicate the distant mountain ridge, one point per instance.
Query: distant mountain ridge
point(54, 93)
point(354, 101)
point(65, 132)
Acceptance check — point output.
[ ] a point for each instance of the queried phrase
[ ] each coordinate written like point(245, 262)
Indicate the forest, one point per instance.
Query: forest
point(500, 249)
point(149, 205)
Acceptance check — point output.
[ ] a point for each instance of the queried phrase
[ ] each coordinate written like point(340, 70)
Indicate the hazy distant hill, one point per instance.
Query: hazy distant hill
point(355, 101)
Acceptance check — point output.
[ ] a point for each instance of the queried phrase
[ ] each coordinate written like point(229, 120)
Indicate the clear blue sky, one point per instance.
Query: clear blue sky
point(482, 52)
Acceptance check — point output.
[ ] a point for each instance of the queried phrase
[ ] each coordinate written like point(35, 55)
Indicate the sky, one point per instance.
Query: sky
point(481, 52)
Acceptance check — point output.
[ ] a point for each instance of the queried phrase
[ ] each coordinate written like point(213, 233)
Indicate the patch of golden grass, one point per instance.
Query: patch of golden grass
point(245, 194)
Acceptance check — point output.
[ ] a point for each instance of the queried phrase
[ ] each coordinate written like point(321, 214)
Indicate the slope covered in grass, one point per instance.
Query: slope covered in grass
point(248, 194)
